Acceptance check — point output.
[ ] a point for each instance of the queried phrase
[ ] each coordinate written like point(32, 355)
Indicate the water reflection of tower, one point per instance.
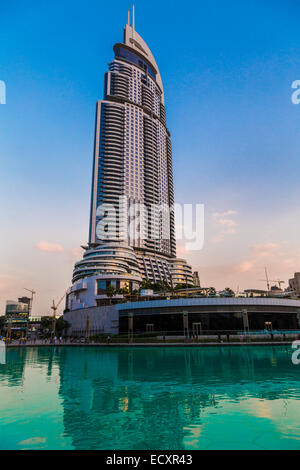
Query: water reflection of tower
point(110, 395)
point(87, 379)
point(131, 398)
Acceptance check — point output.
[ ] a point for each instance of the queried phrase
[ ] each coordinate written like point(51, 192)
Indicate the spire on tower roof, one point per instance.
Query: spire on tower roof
point(133, 18)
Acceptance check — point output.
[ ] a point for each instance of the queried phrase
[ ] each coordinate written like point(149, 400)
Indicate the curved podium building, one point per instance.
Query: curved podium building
point(132, 233)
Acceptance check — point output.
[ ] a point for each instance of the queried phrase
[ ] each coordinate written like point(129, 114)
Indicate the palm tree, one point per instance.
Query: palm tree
point(179, 286)
point(146, 284)
point(46, 325)
point(2, 322)
point(229, 292)
point(110, 292)
point(62, 326)
point(124, 291)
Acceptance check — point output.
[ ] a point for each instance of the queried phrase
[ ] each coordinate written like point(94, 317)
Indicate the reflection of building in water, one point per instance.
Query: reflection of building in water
point(2, 352)
point(115, 396)
point(13, 369)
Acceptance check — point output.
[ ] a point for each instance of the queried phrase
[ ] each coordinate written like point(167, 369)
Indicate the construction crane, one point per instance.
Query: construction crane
point(267, 280)
point(54, 307)
point(279, 282)
point(31, 299)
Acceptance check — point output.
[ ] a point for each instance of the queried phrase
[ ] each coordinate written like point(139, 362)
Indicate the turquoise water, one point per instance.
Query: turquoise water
point(150, 398)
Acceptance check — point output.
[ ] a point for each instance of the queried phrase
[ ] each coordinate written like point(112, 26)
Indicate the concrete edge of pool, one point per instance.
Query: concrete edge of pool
point(150, 345)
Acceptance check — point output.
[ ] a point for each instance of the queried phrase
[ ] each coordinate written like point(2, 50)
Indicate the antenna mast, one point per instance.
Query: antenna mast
point(133, 17)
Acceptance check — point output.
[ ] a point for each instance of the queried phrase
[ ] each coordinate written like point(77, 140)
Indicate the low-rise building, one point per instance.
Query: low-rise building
point(206, 314)
point(294, 285)
point(255, 293)
point(16, 318)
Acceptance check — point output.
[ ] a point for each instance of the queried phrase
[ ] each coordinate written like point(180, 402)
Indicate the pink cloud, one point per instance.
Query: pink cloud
point(224, 214)
point(7, 282)
point(266, 249)
point(227, 222)
point(49, 247)
point(245, 266)
point(76, 252)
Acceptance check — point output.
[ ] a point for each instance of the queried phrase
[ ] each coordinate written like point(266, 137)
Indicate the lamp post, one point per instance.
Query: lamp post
point(245, 321)
point(88, 328)
point(130, 327)
point(186, 324)
point(298, 317)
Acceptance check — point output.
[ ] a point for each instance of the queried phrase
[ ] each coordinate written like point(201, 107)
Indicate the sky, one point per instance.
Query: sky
point(227, 69)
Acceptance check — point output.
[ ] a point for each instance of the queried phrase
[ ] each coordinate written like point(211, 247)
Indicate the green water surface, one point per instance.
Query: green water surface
point(150, 398)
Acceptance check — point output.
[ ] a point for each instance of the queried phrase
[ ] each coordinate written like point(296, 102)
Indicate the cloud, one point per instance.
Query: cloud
point(7, 282)
point(224, 214)
point(245, 266)
point(258, 251)
point(280, 255)
point(266, 249)
point(75, 252)
point(49, 247)
point(228, 224)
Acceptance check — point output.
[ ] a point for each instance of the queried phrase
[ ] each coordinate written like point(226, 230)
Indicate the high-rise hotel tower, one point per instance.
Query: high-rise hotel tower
point(132, 234)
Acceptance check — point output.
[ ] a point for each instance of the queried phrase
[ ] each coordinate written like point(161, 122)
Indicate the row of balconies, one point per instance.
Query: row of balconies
point(113, 120)
point(110, 110)
point(117, 67)
point(113, 125)
point(113, 132)
point(111, 157)
point(111, 141)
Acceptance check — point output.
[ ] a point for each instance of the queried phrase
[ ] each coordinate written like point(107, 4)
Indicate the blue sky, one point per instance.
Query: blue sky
point(227, 69)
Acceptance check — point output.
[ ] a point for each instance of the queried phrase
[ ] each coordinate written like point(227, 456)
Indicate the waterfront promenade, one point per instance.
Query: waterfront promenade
point(187, 344)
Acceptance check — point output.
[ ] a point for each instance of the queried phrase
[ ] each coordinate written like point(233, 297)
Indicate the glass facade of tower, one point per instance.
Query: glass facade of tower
point(132, 175)
point(133, 156)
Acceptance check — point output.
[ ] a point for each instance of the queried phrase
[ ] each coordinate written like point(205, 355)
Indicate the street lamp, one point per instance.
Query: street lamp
point(245, 321)
point(186, 324)
point(130, 327)
point(298, 317)
point(88, 324)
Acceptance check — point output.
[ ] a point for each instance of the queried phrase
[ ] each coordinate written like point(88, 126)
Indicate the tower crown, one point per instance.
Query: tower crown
point(135, 42)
